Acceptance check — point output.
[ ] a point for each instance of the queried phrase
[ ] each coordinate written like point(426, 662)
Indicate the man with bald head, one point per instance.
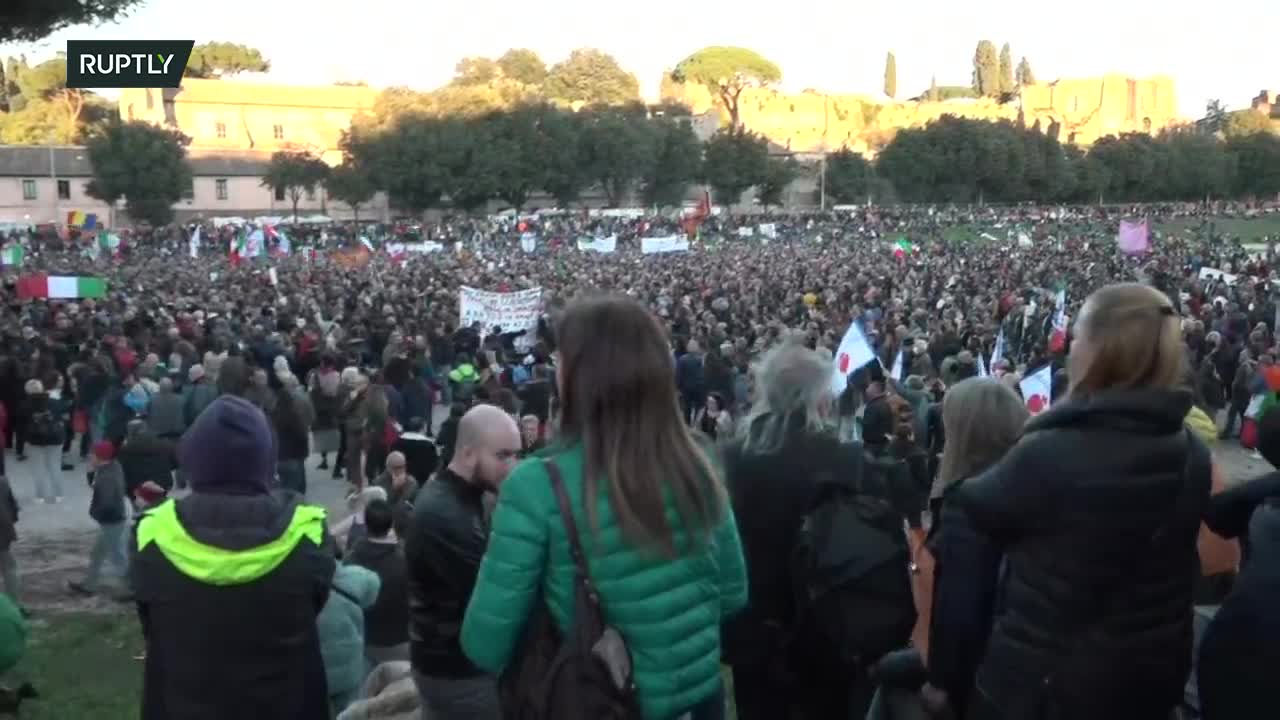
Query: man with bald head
point(446, 541)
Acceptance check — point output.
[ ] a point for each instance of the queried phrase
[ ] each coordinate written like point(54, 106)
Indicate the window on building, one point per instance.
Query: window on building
point(28, 189)
point(280, 194)
point(221, 130)
point(64, 189)
point(311, 194)
point(220, 188)
point(277, 131)
point(189, 193)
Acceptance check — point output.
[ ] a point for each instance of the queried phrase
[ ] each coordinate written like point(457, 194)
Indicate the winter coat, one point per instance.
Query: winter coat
point(198, 397)
point(107, 504)
point(389, 694)
point(327, 408)
point(341, 624)
point(166, 416)
point(1097, 510)
point(668, 610)
point(387, 622)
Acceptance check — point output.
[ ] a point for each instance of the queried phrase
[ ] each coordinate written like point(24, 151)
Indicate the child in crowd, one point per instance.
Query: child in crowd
point(107, 508)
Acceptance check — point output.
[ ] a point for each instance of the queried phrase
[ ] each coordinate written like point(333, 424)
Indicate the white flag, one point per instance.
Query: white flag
point(195, 243)
point(275, 279)
point(997, 353)
point(1037, 390)
point(854, 352)
point(896, 371)
point(982, 366)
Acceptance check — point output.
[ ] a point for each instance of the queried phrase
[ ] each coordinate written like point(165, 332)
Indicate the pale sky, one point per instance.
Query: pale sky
point(1226, 50)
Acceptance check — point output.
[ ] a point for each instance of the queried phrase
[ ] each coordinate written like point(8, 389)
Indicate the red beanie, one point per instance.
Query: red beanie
point(104, 450)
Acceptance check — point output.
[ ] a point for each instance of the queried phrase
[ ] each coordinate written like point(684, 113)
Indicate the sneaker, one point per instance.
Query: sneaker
point(80, 588)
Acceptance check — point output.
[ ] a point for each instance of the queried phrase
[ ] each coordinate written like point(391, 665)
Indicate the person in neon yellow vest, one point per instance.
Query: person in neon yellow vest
point(229, 582)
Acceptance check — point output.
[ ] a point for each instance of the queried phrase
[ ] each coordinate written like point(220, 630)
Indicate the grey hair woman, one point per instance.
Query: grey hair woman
point(792, 392)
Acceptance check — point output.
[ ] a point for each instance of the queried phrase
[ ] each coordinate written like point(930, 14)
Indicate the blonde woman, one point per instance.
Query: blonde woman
point(1097, 510)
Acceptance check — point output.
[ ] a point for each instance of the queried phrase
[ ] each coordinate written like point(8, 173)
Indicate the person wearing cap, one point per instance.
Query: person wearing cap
point(200, 392)
point(229, 582)
point(107, 508)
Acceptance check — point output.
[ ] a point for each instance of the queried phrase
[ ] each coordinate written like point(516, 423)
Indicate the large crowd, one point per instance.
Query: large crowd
point(659, 476)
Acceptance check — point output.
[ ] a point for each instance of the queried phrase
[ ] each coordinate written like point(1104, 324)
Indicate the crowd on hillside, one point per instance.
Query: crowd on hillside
point(647, 484)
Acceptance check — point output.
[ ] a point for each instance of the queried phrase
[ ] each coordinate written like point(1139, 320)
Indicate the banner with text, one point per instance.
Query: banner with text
point(670, 243)
point(600, 245)
point(513, 311)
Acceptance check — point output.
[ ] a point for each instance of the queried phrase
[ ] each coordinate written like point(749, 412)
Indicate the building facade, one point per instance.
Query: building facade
point(41, 184)
point(250, 116)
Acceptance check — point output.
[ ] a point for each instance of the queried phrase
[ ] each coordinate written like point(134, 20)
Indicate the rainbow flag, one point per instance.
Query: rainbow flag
point(62, 287)
point(84, 221)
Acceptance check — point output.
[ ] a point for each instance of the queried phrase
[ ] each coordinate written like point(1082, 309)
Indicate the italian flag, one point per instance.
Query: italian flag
point(11, 255)
point(1058, 337)
point(237, 247)
point(64, 287)
point(903, 248)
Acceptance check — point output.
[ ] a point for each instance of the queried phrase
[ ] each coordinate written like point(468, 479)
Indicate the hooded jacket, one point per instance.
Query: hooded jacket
point(1097, 510)
point(229, 582)
point(341, 623)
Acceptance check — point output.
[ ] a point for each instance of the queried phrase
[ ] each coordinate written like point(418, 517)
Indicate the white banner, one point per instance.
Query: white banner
point(528, 242)
point(769, 230)
point(745, 232)
point(422, 247)
point(513, 311)
point(670, 243)
point(1208, 272)
point(600, 245)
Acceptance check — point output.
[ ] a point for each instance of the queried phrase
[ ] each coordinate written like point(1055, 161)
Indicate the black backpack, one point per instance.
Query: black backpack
point(584, 674)
point(45, 428)
point(850, 569)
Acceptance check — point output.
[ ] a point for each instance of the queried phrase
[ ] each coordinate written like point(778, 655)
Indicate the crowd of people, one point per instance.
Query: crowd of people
point(660, 477)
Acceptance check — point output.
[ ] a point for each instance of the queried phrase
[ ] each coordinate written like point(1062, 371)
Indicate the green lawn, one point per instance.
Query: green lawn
point(82, 665)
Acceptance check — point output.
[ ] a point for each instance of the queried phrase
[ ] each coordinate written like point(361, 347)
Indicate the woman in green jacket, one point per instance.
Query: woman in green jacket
point(657, 529)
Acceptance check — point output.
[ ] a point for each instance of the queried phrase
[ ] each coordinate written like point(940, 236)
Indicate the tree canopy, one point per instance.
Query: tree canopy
point(726, 72)
point(476, 71)
point(220, 59)
point(986, 70)
point(30, 20)
point(1006, 70)
point(41, 108)
point(591, 77)
point(1024, 75)
point(523, 65)
point(351, 185)
point(142, 163)
point(734, 160)
point(293, 173)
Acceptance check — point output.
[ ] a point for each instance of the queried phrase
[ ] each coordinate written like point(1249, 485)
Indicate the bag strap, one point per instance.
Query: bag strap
point(566, 516)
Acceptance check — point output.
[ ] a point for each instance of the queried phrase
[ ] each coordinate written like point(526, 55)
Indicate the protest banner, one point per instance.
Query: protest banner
point(669, 243)
point(600, 245)
point(1216, 274)
point(512, 311)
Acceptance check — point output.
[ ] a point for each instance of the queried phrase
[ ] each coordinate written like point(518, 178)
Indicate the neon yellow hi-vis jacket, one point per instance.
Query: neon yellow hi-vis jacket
point(217, 566)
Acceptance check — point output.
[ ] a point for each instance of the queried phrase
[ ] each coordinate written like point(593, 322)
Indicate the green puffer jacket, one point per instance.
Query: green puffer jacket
point(669, 611)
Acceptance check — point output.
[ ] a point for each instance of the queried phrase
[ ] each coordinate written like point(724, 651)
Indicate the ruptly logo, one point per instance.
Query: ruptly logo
point(127, 63)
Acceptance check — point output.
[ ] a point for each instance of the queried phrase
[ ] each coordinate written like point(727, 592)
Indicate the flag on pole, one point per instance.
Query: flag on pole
point(237, 248)
point(193, 245)
point(982, 366)
point(896, 371)
point(853, 353)
point(903, 247)
point(997, 353)
point(61, 287)
point(110, 242)
point(368, 245)
point(12, 255)
point(283, 245)
point(1058, 338)
point(1037, 390)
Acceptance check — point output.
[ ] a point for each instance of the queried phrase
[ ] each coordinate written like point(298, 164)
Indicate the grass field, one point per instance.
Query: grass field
point(83, 666)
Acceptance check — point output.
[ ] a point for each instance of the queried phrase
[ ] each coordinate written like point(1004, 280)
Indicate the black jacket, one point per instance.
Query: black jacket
point(146, 457)
point(1097, 509)
point(249, 650)
point(443, 551)
point(771, 493)
point(1241, 648)
point(386, 623)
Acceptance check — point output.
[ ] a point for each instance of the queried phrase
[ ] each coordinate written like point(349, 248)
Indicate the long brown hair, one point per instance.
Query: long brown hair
point(1128, 337)
point(982, 418)
point(618, 399)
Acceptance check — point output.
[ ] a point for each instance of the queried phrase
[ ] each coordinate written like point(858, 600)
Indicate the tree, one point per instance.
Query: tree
point(523, 65)
point(519, 150)
point(734, 160)
point(677, 162)
point(1246, 122)
point(405, 158)
point(351, 185)
point(31, 20)
point(779, 173)
point(848, 177)
point(726, 72)
point(986, 70)
point(143, 163)
point(891, 76)
point(293, 173)
point(591, 77)
point(1257, 159)
point(933, 95)
point(1024, 75)
point(1006, 70)
point(475, 71)
point(49, 110)
point(1215, 117)
point(562, 146)
point(617, 151)
point(219, 59)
